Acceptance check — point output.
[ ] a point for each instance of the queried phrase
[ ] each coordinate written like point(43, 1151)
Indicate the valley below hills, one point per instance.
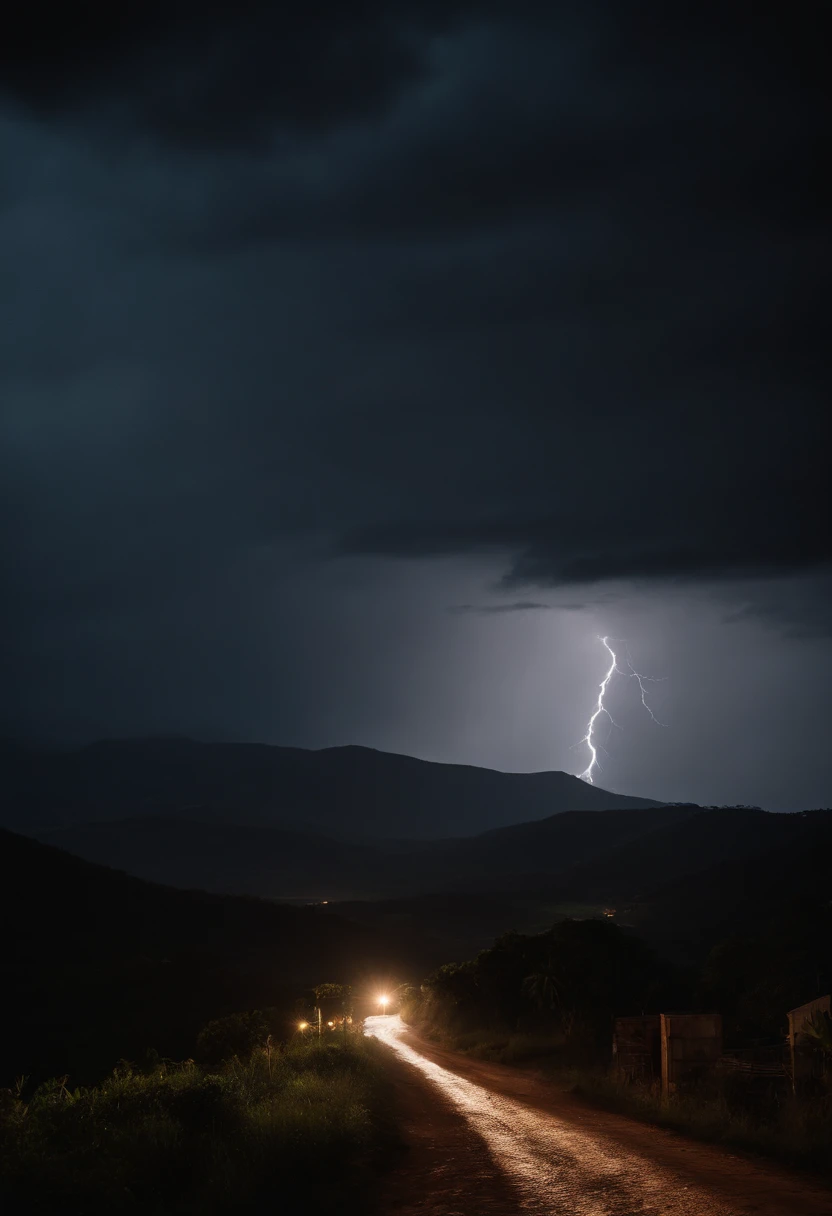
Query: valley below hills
point(314, 827)
point(680, 876)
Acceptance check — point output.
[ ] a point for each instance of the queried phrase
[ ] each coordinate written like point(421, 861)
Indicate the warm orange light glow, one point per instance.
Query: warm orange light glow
point(330, 1023)
point(302, 1025)
point(384, 1001)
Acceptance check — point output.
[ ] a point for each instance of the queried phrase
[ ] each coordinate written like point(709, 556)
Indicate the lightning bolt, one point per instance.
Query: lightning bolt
point(602, 711)
point(642, 680)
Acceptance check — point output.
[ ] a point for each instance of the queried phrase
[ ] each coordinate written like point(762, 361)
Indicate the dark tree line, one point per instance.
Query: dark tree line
point(575, 979)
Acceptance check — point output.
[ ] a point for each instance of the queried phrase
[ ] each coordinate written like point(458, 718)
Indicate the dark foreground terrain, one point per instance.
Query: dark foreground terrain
point(495, 1140)
point(98, 966)
point(299, 1126)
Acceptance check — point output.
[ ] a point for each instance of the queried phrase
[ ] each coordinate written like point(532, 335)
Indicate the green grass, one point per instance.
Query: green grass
point(514, 1048)
point(181, 1140)
point(798, 1133)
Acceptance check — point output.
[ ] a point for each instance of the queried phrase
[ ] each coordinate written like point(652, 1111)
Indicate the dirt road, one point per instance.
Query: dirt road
point(486, 1140)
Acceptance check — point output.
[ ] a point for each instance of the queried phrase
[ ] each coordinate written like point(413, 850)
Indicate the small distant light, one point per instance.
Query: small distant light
point(302, 1025)
point(330, 1023)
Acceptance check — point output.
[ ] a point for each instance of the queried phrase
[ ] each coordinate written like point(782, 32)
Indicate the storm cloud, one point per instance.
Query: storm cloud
point(319, 320)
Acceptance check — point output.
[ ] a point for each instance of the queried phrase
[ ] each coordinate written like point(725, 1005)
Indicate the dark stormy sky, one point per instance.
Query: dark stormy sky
point(360, 363)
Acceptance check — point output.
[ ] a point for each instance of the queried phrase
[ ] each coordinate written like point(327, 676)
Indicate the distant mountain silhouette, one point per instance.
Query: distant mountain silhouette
point(229, 858)
point(684, 884)
point(278, 864)
point(787, 864)
point(341, 791)
point(615, 858)
point(685, 845)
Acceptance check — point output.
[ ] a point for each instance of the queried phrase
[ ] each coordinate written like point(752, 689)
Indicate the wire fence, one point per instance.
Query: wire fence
point(757, 1061)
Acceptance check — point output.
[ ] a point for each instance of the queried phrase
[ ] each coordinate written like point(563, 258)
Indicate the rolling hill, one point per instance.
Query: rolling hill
point(686, 845)
point(229, 858)
point(348, 792)
point(786, 874)
point(613, 858)
point(683, 884)
point(98, 965)
point(274, 863)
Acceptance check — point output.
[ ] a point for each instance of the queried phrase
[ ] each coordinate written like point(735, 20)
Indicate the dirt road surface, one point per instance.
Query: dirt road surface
point(487, 1140)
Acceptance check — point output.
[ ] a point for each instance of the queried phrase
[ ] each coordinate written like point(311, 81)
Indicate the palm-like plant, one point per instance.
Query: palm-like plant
point(546, 988)
point(819, 1029)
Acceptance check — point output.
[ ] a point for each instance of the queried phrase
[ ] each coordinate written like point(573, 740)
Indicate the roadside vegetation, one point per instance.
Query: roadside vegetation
point(248, 1123)
point(550, 1000)
point(725, 1111)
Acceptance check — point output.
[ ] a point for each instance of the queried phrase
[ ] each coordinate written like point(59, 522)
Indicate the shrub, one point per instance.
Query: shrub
point(181, 1139)
point(237, 1035)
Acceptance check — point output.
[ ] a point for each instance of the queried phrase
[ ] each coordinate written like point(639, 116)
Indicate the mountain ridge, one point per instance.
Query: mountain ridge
point(348, 791)
point(277, 863)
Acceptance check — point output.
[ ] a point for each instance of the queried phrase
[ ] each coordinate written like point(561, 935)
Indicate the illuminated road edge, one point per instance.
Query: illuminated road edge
point(556, 1168)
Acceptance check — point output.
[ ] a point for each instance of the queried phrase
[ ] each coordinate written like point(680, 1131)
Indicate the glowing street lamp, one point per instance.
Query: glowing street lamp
point(303, 1025)
point(384, 1001)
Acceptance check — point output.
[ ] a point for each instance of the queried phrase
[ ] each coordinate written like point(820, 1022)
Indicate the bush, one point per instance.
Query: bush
point(552, 997)
point(237, 1035)
point(303, 1131)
